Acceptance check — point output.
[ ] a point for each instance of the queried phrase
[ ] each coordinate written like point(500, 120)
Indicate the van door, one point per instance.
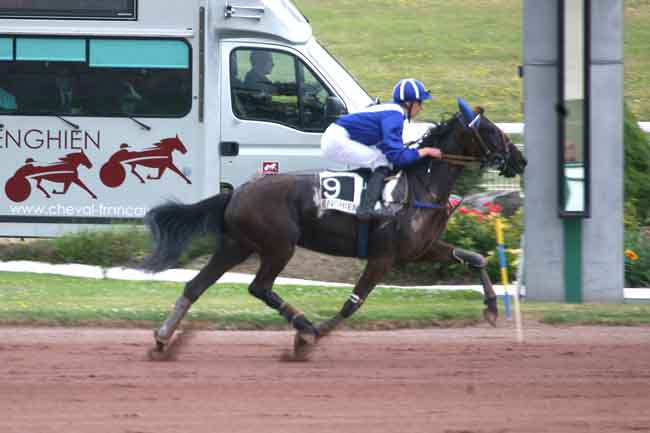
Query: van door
point(273, 112)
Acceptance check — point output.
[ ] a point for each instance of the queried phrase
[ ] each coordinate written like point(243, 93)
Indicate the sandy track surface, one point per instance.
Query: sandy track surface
point(581, 379)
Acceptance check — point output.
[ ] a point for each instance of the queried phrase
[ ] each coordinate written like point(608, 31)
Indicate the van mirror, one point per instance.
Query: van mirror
point(334, 108)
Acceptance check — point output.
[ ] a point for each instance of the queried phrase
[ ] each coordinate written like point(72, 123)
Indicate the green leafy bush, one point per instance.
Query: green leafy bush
point(637, 173)
point(116, 246)
point(474, 230)
point(119, 246)
point(113, 247)
point(637, 258)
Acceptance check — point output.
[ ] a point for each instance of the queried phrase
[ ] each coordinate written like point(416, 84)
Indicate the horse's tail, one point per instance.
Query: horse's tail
point(173, 225)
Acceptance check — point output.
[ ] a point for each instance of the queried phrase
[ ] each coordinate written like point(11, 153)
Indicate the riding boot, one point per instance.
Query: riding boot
point(374, 188)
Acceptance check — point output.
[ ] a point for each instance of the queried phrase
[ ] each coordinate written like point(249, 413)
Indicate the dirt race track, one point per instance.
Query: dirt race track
point(583, 379)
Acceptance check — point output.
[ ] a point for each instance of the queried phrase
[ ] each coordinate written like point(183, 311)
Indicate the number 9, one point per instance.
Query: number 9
point(332, 187)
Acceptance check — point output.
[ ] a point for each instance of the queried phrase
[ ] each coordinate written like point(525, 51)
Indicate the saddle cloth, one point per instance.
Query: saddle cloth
point(342, 191)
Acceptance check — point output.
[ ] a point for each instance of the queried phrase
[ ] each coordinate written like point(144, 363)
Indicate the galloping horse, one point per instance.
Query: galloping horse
point(271, 215)
point(112, 173)
point(18, 188)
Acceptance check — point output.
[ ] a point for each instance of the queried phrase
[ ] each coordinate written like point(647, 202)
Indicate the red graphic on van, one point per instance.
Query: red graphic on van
point(270, 167)
point(112, 174)
point(18, 188)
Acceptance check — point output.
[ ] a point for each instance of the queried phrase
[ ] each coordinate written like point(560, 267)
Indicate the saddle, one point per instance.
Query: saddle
point(342, 191)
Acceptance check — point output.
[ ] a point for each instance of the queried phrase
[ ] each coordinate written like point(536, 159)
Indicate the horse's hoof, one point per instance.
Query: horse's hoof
point(303, 344)
point(490, 316)
point(165, 350)
point(323, 329)
point(160, 352)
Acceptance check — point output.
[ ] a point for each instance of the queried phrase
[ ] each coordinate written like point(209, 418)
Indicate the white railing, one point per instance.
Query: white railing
point(518, 128)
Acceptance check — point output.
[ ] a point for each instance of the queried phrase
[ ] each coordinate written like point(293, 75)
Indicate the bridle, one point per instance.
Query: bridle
point(490, 155)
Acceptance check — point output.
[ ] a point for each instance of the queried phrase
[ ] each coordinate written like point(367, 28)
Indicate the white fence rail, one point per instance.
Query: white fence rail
point(518, 128)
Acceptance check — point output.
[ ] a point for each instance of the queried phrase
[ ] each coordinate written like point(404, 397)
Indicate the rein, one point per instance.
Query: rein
point(461, 159)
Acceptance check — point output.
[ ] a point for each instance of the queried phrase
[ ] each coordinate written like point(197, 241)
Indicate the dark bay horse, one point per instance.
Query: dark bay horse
point(271, 215)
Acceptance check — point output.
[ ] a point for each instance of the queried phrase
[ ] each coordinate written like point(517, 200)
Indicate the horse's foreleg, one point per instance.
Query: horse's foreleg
point(444, 252)
point(85, 188)
point(175, 169)
point(478, 262)
point(372, 274)
point(229, 255)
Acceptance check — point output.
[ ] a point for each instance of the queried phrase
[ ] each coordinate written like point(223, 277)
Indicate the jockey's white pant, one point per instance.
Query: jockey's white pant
point(337, 146)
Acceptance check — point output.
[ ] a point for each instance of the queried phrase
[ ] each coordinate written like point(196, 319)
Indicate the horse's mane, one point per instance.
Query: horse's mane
point(70, 157)
point(171, 141)
point(436, 133)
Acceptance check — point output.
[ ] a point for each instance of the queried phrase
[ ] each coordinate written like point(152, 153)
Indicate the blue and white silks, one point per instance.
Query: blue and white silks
point(381, 126)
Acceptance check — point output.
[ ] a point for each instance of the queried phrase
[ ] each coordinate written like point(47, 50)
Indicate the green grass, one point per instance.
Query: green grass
point(51, 299)
point(458, 48)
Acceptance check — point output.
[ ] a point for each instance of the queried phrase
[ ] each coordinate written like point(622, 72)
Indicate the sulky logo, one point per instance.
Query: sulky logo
point(18, 188)
point(113, 173)
point(270, 167)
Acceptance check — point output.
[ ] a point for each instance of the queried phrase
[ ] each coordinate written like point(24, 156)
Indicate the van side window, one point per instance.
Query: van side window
point(275, 86)
point(95, 77)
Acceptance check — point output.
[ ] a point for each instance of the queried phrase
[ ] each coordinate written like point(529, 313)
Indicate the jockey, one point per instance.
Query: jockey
point(372, 138)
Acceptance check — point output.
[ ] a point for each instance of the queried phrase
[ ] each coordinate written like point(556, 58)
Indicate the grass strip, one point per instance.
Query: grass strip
point(27, 298)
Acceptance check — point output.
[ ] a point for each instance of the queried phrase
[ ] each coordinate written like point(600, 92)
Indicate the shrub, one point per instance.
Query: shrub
point(637, 172)
point(474, 230)
point(116, 246)
point(109, 247)
point(637, 258)
point(112, 247)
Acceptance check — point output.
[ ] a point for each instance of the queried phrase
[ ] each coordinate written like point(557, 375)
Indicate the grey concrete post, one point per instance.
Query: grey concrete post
point(603, 272)
point(602, 234)
point(543, 248)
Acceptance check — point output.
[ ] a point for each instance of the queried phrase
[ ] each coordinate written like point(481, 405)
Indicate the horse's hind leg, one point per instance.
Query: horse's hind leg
point(444, 252)
point(136, 173)
point(271, 264)
point(39, 186)
point(372, 274)
point(230, 253)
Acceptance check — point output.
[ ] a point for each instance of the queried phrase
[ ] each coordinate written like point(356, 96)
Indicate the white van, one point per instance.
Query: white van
point(110, 107)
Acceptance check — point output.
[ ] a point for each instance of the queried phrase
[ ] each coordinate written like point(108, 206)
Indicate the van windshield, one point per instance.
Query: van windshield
point(340, 76)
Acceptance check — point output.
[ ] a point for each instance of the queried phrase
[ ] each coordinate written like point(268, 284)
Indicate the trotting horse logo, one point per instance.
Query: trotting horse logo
point(112, 174)
point(18, 187)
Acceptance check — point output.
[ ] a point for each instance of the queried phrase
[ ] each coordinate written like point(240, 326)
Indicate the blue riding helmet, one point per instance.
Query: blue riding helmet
point(410, 89)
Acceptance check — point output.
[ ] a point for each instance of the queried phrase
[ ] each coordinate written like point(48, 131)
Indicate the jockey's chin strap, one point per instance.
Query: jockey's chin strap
point(409, 107)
